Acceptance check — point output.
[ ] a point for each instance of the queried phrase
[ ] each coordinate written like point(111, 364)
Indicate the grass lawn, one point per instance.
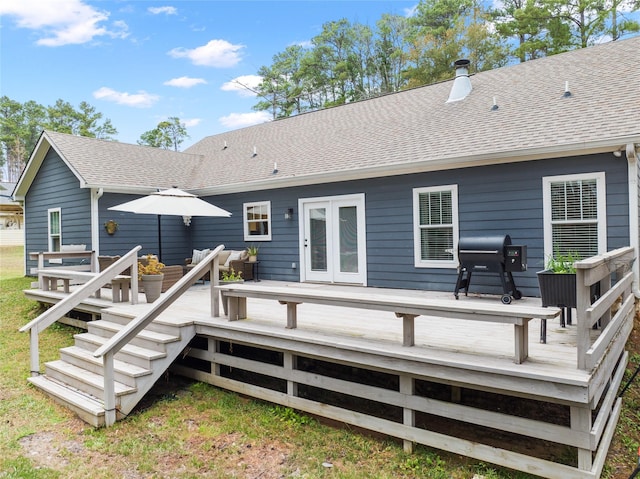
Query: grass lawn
point(184, 429)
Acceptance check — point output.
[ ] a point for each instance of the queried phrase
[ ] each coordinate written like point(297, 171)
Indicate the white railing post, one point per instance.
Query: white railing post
point(214, 280)
point(109, 390)
point(34, 353)
point(583, 335)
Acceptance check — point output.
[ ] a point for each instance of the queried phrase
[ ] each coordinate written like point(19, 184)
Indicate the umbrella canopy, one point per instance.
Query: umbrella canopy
point(173, 202)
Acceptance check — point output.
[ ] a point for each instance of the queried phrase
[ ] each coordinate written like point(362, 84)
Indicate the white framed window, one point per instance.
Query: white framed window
point(575, 215)
point(54, 228)
point(435, 226)
point(257, 221)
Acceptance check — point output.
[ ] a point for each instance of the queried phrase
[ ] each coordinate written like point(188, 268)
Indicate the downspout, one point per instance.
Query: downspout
point(634, 212)
point(96, 194)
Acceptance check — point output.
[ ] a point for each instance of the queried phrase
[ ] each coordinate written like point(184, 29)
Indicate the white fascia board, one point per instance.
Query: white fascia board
point(35, 162)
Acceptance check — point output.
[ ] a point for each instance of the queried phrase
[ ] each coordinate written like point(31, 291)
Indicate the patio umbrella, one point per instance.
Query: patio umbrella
point(173, 202)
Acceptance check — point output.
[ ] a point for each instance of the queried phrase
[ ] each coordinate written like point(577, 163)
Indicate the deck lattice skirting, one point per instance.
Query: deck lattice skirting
point(561, 398)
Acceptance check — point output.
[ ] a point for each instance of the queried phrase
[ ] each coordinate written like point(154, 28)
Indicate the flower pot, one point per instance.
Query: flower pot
point(557, 289)
point(253, 259)
point(152, 284)
point(231, 281)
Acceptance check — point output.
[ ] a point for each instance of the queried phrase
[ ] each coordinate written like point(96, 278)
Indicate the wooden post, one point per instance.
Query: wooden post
point(290, 361)
point(408, 328)
point(35, 352)
point(407, 387)
point(583, 301)
point(109, 390)
point(581, 423)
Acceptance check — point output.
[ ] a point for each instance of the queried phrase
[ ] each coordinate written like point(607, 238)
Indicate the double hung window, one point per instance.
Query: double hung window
point(257, 221)
point(435, 217)
point(575, 215)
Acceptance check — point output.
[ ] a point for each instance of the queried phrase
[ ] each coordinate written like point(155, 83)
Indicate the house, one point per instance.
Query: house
point(379, 192)
point(11, 231)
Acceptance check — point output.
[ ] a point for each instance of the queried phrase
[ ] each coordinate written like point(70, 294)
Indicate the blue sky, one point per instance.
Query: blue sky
point(140, 62)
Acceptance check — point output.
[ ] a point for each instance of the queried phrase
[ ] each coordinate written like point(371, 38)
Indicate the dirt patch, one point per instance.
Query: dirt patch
point(228, 455)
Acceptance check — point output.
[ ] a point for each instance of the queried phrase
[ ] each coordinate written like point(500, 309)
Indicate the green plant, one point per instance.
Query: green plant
point(231, 275)
point(253, 250)
point(562, 263)
point(151, 266)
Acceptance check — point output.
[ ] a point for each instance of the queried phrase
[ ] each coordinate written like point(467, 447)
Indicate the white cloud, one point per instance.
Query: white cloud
point(240, 120)
point(62, 22)
point(192, 122)
point(165, 10)
point(216, 53)
point(185, 82)
point(142, 99)
point(244, 85)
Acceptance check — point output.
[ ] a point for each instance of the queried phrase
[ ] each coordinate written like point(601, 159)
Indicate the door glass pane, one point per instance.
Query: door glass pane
point(348, 228)
point(318, 238)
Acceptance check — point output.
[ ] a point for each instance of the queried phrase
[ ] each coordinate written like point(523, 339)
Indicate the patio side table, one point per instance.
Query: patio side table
point(254, 266)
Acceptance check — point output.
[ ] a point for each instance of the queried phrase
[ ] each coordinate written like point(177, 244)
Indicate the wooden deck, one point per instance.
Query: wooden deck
point(464, 356)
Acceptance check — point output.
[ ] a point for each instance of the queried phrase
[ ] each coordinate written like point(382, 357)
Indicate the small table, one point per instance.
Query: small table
point(255, 269)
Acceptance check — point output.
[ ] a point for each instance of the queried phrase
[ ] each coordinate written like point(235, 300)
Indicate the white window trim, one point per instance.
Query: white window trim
point(418, 261)
point(245, 223)
point(602, 208)
point(49, 236)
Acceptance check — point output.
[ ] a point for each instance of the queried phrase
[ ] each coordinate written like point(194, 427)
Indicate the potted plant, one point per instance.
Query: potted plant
point(231, 276)
point(558, 281)
point(151, 276)
point(253, 253)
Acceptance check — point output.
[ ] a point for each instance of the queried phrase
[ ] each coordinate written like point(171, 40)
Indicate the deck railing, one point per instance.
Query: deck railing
point(57, 311)
point(612, 309)
point(125, 335)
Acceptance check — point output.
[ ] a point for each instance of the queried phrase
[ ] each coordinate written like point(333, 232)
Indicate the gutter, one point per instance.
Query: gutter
point(96, 194)
point(633, 164)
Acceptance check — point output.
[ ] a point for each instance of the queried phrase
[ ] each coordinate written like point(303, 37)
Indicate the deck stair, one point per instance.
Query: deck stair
point(76, 379)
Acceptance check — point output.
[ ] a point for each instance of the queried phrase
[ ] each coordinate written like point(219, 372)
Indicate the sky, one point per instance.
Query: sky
point(140, 62)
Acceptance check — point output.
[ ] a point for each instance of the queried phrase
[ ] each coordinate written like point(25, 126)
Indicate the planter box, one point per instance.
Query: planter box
point(557, 289)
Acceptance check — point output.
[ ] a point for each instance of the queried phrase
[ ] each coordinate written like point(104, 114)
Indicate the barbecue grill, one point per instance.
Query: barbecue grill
point(491, 254)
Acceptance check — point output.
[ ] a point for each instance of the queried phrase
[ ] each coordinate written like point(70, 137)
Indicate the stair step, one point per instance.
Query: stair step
point(88, 408)
point(130, 353)
point(83, 379)
point(157, 325)
point(124, 372)
point(145, 338)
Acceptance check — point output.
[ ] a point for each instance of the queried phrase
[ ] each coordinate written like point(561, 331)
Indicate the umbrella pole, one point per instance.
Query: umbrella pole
point(159, 239)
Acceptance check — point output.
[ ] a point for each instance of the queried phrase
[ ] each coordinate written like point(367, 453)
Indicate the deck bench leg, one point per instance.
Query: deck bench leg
point(65, 285)
point(237, 307)
point(521, 339)
point(408, 328)
point(292, 314)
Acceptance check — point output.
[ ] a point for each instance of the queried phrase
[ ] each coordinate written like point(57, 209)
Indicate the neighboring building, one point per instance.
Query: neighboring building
point(379, 192)
point(11, 217)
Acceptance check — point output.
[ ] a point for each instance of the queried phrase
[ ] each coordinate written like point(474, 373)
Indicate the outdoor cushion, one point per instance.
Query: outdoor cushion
point(199, 255)
point(234, 256)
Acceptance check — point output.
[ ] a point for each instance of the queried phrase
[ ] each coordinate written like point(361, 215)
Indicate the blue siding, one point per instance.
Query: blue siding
point(55, 186)
point(496, 199)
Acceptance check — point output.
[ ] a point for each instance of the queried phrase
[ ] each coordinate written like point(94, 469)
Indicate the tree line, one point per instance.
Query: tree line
point(350, 61)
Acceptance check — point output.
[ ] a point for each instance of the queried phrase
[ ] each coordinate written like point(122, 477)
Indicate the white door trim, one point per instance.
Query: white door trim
point(357, 200)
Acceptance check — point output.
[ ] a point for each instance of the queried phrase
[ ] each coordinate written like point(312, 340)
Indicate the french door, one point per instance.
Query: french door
point(333, 239)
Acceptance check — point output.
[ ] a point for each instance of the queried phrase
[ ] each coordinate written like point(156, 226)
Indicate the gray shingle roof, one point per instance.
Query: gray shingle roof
point(418, 130)
point(110, 163)
point(413, 130)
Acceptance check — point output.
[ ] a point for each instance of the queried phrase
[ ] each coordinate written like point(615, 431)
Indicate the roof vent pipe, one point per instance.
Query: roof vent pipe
point(461, 85)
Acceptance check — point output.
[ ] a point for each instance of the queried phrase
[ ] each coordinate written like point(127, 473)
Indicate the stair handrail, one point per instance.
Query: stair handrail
point(58, 310)
point(108, 350)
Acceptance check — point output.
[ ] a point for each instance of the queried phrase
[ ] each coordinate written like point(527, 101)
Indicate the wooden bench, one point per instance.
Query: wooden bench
point(234, 300)
point(49, 278)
